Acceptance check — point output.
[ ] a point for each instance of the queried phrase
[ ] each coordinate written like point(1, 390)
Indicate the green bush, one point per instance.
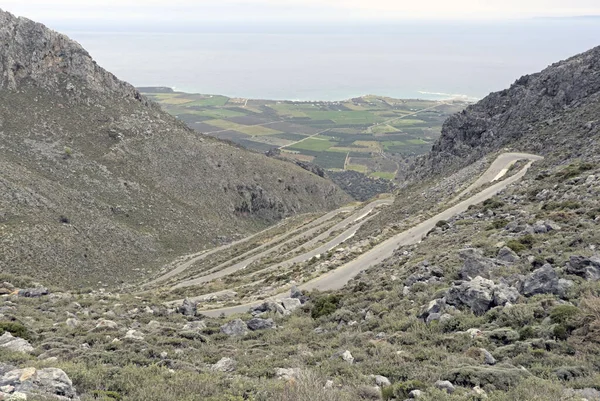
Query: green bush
point(493, 203)
point(516, 246)
point(325, 305)
point(401, 390)
point(497, 224)
point(14, 328)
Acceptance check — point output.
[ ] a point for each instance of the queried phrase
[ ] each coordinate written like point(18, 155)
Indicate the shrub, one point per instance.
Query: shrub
point(14, 328)
point(516, 246)
point(497, 224)
point(325, 305)
point(401, 390)
point(493, 203)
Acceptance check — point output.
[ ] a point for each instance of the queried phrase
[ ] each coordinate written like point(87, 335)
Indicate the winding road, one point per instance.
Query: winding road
point(222, 270)
point(339, 277)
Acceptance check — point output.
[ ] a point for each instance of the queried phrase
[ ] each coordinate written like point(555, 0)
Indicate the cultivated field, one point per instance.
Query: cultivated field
point(373, 135)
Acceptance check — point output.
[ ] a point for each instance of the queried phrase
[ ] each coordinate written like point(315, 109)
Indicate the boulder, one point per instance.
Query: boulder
point(475, 264)
point(445, 385)
point(224, 365)
point(297, 294)
point(545, 281)
point(425, 273)
point(188, 308)
point(507, 255)
point(382, 381)
point(588, 268)
point(33, 292)
point(415, 394)
point(72, 322)
point(291, 304)
point(477, 294)
point(134, 335)
point(235, 327)
point(347, 357)
point(504, 294)
point(268, 306)
point(261, 324)
point(488, 358)
point(15, 344)
point(46, 382)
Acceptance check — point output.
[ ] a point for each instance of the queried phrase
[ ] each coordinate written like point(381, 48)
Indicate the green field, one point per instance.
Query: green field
point(376, 133)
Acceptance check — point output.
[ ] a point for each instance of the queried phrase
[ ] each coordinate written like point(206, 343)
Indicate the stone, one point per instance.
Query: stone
point(33, 292)
point(188, 308)
point(291, 304)
point(415, 394)
point(235, 327)
point(382, 381)
point(477, 294)
point(488, 358)
point(328, 384)
point(72, 322)
point(269, 306)
point(545, 281)
point(540, 228)
point(444, 385)
point(224, 365)
point(479, 392)
point(134, 335)
point(15, 344)
point(261, 324)
point(588, 268)
point(46, 382)
point(347, 357)
point(475, 264)
point(474, 333)
point(297, 294)
point(504, 294)
point(195, 326)
point(287, 374)
point(105, 324)
point(506, 254)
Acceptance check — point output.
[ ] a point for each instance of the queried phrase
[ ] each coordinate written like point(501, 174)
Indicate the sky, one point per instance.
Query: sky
point(59, 12)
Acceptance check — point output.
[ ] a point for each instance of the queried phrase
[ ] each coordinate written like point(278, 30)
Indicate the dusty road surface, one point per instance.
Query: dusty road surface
point(339, 277)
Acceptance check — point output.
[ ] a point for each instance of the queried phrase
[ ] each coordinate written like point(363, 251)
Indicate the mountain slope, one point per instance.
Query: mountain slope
point(97, 184)
point(553, 110)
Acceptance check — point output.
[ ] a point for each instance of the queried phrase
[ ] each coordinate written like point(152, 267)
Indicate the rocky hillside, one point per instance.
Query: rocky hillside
point(548, 112)
point(99, 186)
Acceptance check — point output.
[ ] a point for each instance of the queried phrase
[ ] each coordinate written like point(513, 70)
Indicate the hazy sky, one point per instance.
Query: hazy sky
point(148, 11)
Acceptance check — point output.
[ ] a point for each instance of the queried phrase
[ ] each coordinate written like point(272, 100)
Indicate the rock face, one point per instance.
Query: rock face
point(108, 180)
point(188, 308)
point(530, 112)
point(260, 324)
point(15, 344)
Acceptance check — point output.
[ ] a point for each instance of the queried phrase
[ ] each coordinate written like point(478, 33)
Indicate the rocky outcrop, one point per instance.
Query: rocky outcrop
point(19, 384)
point(521, 114)
point(235, 327)
point(545, 280)
point(588, 268)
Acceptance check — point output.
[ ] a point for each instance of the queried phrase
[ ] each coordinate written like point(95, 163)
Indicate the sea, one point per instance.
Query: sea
point(428, 60)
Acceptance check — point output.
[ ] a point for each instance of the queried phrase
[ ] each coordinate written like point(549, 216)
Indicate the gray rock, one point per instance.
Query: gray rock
point(105, 324)
point(506, 254)
point(291, 304)
point(297, 294)
point(134, 335)
point(261, 324)
point(434, 307)
point(188, 308)
point(544, 281)
point(540, 228)
point(235, 327)
point(194, 326)
point(588, 268)
point(477, 294)
point(382, 381)
point(445, 385)
point(33, 292)
point(46, 382)
point(415, 394)
point(475, 264)
point(72, 322)
point(504, 294)
point(347, 357)
point(488, 358)
point(224, 365)
point(15, 344)
point(268, 306)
